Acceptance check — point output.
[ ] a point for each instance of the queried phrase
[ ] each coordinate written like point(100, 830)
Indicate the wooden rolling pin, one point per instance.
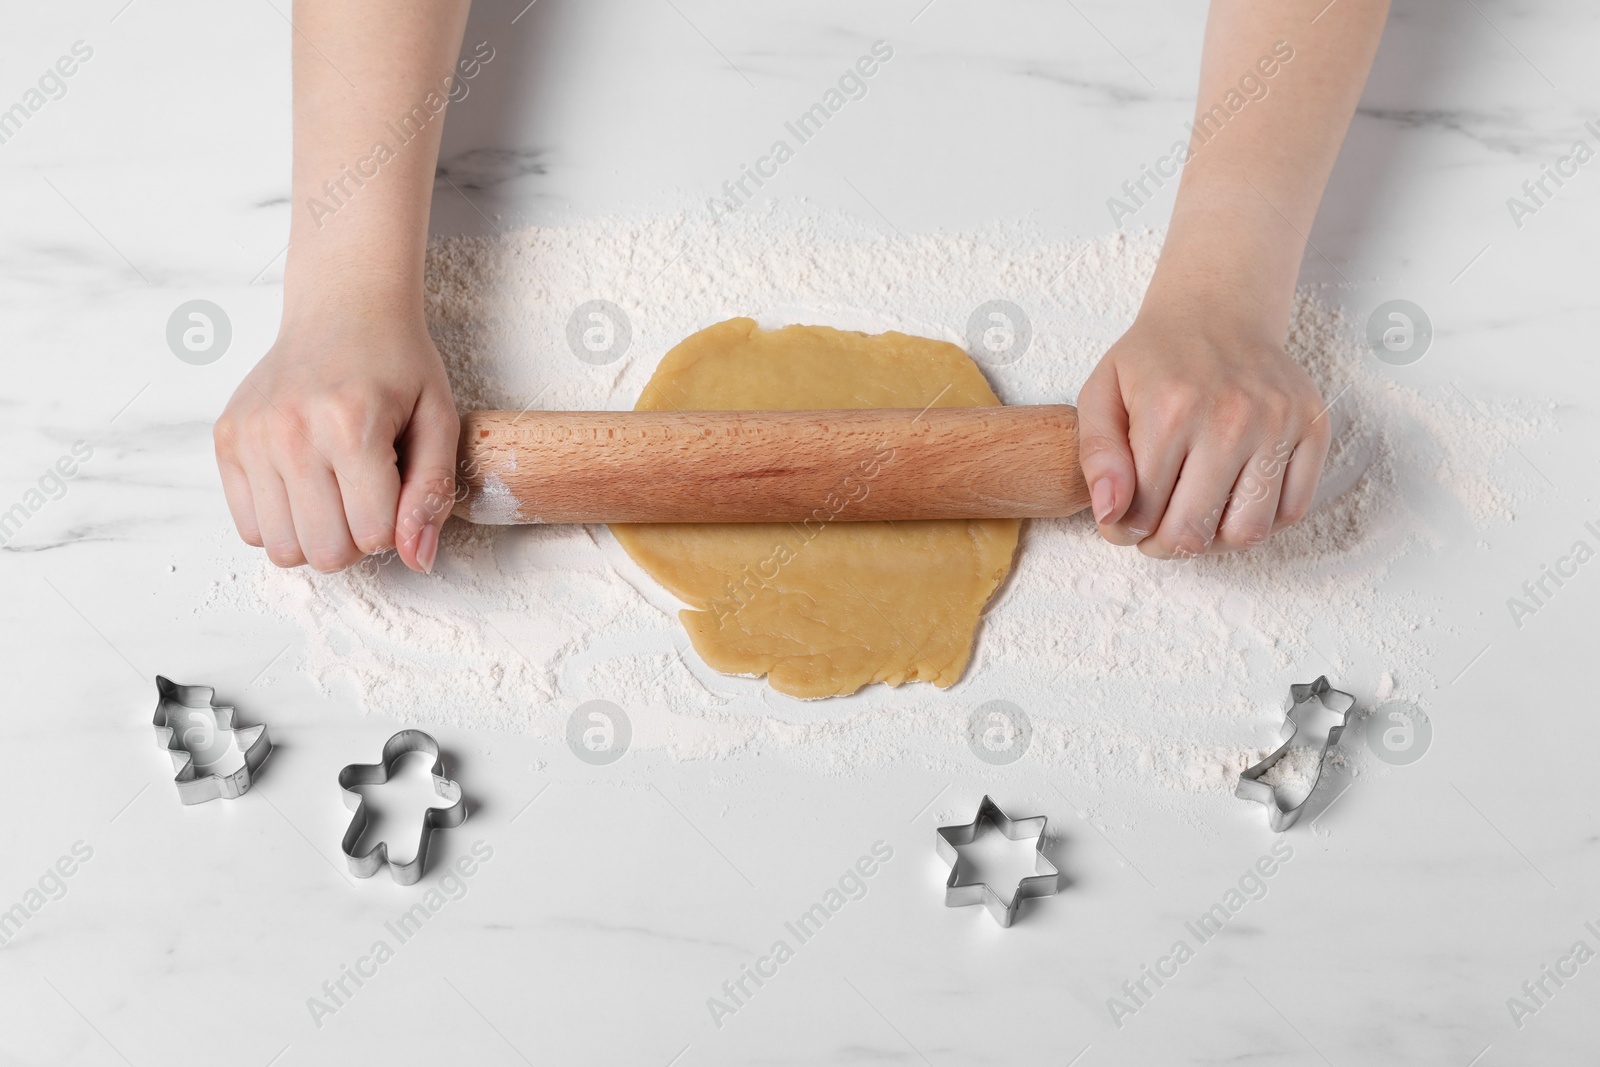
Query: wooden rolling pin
point(770, 466)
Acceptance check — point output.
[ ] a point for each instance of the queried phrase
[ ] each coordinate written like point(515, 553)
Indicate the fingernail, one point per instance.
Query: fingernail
point(1104, 498)
point(427, 546)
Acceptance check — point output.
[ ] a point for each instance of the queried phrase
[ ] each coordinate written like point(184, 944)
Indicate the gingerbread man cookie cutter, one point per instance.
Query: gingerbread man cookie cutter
point(454, 813)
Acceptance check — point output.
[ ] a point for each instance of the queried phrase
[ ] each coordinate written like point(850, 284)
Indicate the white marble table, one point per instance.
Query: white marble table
point(612, 908)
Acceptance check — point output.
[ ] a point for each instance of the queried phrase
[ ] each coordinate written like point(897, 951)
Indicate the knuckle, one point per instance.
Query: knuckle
point(434, 492)
point(1138, 523)
point(1254, 485)
point(1268, 467)
point(1096, 446)
point(1159, 547)
point(285, 555)
point(440, 483)
point(1276, 407)
point(1246, 533)
point(1184, 543)
point(1250, 490)
point(1192, 537)
point(1120, 535)
point(329, 560)
point(373, 541)
point(1287, 408)
point(1293, 511)
point(285, 435)
point(1233, 412)
point(225, 434)
point(1173, 407)
point(345, 420)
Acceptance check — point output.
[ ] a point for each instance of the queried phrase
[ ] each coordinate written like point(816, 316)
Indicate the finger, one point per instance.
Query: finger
point(1161, 439)
point(369, 484)
point(1302, 475)
point(235, 486)
point(1253, 504)
point(317, 510)
point(1103, 450)
point(241, 504)
point(1194, 511)
point(271, 501)
point(427, 478)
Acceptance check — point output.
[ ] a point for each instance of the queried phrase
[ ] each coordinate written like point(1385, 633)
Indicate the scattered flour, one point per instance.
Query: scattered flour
point(1169, 673)
point(1296, 772)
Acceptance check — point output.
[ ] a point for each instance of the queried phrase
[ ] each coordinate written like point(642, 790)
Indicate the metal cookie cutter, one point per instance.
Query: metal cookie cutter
point(1279, 817)
point(366, 864)
point(956, 895)
point(188, 723)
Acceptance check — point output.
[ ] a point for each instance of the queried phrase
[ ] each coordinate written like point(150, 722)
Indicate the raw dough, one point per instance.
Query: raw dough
point(826, 607)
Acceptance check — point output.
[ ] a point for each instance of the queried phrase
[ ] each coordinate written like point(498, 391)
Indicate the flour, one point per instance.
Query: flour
point(1295, 773)
point(1166, 673)
point(495, 504)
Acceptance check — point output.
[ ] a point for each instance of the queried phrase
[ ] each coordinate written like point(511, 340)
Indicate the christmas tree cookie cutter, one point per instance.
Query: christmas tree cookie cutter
point(1281, 816)
point(453, 813)
point(188, 724)
point(947, 840)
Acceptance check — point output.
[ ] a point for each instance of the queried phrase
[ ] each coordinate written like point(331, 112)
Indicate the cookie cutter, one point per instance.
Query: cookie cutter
point(366, 864)
point(947, 839)
point(1279, 816)
point(182, 712)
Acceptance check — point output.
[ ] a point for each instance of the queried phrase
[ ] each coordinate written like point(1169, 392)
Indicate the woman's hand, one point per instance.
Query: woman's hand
point(342, 440)
point(341, 443)
point(1196, 432)
point(1198, 438)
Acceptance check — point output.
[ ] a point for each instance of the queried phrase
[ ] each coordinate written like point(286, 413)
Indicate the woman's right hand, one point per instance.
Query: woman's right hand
point(341, 442)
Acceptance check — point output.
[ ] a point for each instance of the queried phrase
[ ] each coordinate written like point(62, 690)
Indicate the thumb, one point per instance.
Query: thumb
point(427, 478)
point(1103, 449)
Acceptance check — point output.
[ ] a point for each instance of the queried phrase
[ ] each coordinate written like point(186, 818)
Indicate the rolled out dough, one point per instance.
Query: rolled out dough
point(825, 607)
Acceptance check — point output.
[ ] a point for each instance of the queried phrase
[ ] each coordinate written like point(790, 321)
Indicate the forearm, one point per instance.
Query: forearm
point(1255, 175)
point(371, 80)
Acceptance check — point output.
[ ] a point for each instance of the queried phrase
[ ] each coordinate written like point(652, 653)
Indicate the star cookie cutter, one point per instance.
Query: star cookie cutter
point(1280, 816)
point(366, 864)
point(947, 839)
point(187, 721)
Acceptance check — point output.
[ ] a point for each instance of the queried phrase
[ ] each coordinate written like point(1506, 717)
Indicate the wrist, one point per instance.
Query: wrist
point(1207, 287)
point(1228, 257)
point(365, 302)
point(368, 283)
point(1214, 304)
point(1211, 297)
point(369, 255)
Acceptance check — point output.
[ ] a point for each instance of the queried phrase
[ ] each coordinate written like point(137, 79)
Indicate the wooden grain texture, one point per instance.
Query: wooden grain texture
point(770, 466)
